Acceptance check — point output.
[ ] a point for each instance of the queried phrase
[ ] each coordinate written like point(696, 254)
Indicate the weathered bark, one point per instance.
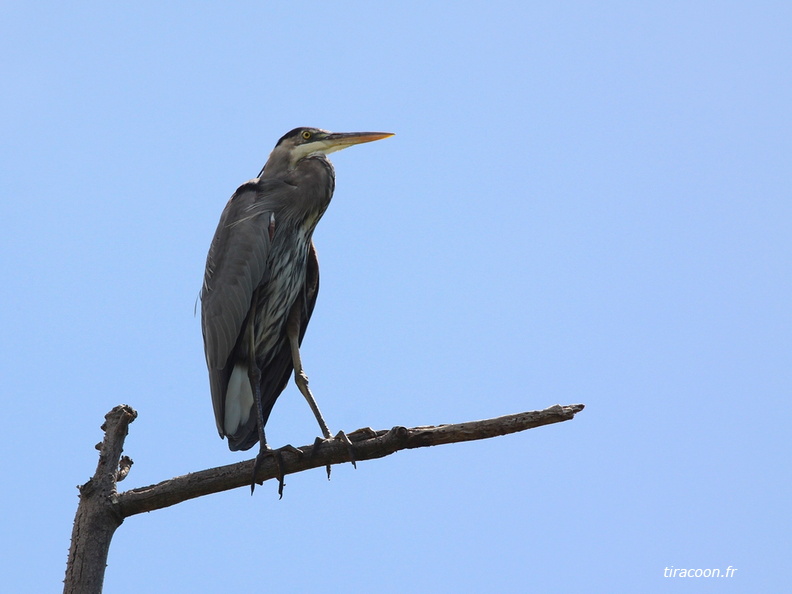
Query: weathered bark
point(102, 509)
point(98, 514)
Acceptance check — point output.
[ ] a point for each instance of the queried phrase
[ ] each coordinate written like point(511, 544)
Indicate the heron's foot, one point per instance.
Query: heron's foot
point(265, 451)
point(277, 456)
point(318, 442)
point(349, 446)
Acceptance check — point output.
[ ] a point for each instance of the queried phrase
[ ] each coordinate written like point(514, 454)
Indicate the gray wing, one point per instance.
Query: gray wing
point(235, 266)
point(280, 368)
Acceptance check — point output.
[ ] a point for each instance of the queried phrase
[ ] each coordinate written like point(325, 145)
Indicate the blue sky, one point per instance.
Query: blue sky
point(584, 202)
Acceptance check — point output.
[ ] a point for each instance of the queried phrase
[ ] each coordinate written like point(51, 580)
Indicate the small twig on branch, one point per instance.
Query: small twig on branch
point(124, 466)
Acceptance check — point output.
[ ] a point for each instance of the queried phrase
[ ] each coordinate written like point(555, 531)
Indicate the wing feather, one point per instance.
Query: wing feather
point(235, 266)
point(281, 367)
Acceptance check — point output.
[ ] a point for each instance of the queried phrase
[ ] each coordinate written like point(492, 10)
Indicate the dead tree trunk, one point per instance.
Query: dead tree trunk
point(98, 514)
point(102, 509)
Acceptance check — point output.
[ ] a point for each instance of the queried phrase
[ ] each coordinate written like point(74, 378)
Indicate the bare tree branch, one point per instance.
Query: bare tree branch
point(102, 509)
point(368, 444)
point(98, 514)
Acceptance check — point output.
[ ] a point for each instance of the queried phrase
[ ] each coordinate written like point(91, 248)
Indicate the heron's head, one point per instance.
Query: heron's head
point(305, 142)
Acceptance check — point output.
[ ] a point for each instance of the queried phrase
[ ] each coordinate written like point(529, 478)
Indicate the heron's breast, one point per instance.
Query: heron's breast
point(277, 296)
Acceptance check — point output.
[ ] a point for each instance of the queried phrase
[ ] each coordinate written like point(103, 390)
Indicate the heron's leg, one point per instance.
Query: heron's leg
point(302, 383)
point(301, 379)
point(293, 332)
point(264, 449)
point(254, 375)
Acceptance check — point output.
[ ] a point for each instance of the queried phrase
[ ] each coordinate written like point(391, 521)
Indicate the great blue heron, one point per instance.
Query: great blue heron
point(260, 285)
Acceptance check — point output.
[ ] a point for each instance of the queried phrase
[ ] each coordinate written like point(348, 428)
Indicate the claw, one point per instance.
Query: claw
point(318, 442)
point(263, 453)
point(349, 445)
point(341, 436)
point(278, 454)
point(292, 450)
point(278, 457)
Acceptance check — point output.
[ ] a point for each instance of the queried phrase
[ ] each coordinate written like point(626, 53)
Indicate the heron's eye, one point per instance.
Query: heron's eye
point(306, 135)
